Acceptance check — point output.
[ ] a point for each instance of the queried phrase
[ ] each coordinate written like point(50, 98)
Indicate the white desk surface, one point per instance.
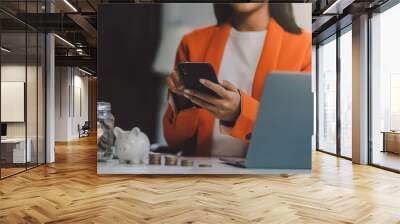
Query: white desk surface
point(218, 167)
point(13, 140)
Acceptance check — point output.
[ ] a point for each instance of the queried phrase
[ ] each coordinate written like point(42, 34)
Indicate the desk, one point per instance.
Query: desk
point(13, 150)
point(391, 141)
point(218, 167)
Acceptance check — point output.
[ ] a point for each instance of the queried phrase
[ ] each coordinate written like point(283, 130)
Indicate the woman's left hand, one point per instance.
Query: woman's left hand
point(225, 108)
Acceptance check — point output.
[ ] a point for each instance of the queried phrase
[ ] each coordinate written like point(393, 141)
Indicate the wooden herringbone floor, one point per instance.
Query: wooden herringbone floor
point(70, 191)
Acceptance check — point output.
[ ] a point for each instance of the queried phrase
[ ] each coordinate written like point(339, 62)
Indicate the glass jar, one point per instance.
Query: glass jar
point(105, 131)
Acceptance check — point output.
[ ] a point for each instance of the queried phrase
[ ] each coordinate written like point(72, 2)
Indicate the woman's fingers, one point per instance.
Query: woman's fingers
point(226, 108)
point(174, 83)
point(175, 76)
point(178, 82)
point(228, 85)
point(205, 97)
point(201, 103)
point(171, 84)
point(218, 89)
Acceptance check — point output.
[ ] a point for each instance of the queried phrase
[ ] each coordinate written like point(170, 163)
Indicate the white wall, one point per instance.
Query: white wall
point(62, 81)
point(70, 84)
point(303, 15)
point(79, 117)
point(15, 72)
point(33, 126)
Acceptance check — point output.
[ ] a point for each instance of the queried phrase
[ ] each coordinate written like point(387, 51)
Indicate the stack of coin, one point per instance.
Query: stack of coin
point(171, 160)
point(186, 162)
point(154, 159)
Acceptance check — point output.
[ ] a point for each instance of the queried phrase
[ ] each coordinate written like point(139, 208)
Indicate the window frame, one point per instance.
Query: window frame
point(378, 10)
point(334, 37)
point(25, 30)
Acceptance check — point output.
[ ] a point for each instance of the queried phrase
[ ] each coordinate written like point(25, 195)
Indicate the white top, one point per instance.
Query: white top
point(239, 64)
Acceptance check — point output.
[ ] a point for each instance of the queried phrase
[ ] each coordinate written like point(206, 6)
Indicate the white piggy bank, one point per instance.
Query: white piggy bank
point(131, 146)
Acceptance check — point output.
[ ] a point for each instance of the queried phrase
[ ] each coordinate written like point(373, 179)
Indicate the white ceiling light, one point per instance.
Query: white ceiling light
point(65, 41)
point(5, 50)
point(70, 5)
point(337, 7)
point(79, 51)
point(84, 71)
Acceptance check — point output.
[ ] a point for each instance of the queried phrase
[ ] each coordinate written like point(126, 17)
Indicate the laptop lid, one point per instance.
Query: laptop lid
point(281, 138)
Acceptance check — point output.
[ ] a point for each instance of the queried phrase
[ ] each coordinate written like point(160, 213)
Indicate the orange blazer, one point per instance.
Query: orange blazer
point(192, 129)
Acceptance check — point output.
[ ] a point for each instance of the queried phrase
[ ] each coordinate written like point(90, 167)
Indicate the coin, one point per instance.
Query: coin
point(205, 165)
point(186, 162)
point(154, 158)
point(171, 160)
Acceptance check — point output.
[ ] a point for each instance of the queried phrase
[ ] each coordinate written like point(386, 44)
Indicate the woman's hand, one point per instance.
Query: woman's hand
point(225, 108)
point(175, 84)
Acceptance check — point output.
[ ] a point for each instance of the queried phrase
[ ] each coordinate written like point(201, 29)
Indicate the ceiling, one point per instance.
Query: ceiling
point(72, 20)
point(331, 15)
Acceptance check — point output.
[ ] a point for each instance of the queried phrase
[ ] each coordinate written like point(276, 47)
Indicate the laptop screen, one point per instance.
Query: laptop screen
point(282, 135)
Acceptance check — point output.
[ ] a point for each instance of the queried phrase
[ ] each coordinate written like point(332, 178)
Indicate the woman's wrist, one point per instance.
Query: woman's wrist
point(232, 122)
point(228, 124)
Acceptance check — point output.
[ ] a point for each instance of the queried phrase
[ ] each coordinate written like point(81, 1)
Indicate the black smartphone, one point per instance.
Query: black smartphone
point(192, 72)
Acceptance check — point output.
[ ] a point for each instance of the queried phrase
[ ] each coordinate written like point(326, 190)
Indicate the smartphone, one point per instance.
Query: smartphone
point(192, 72)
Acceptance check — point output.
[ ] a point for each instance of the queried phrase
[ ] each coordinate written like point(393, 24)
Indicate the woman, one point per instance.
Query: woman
point(250, 41)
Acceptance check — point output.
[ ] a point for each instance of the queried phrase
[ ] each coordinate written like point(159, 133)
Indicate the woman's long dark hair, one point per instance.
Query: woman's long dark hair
point(281, 12)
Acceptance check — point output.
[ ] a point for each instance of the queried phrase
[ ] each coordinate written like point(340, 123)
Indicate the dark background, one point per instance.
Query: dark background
point(128, 38)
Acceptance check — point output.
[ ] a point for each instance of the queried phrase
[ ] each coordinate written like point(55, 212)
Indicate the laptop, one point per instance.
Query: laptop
point(282, 135)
